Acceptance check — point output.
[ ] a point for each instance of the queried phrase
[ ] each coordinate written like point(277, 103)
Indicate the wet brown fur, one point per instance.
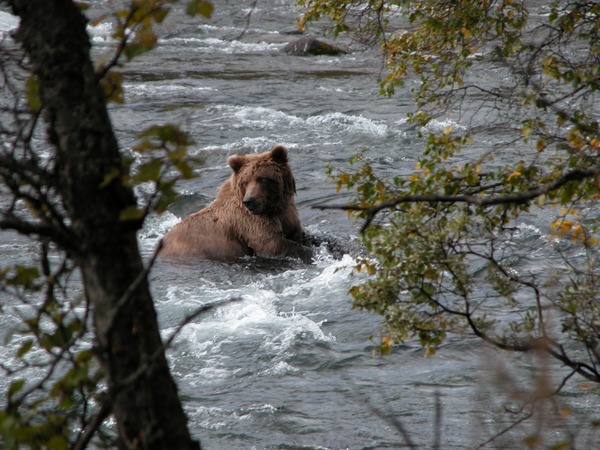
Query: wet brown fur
point(254, 214)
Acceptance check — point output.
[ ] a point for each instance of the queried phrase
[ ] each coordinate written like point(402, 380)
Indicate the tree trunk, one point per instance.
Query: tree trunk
point(147, 408)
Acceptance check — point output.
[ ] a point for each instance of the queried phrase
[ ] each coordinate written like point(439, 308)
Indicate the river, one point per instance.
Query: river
point(292, 365)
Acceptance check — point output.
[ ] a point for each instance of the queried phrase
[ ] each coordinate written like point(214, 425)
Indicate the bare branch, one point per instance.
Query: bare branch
point(248, 18)
point(513, 425)
point(145, 367)
point(92, 428)
point(11, 222)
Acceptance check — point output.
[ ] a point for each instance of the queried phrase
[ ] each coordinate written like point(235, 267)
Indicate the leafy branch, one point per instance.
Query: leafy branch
point(520, 198)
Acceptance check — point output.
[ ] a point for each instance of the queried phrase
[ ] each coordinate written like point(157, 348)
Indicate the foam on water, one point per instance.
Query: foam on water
point(354, 124)
point(256, 116)
point(258, 334)
point(242, 145)
point(8, 22)
point(259, 117)
point(224, 46)
point(165, 87)
point(439, 125)
point(216, 29)
point(215, 418)
point(155, 226)
point(101, 33)
point(258, 313)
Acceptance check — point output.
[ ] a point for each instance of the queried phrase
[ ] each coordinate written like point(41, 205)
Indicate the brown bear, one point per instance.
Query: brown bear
point(254, 214)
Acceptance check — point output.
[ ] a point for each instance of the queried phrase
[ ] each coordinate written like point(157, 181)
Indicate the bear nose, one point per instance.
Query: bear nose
point(251, 204)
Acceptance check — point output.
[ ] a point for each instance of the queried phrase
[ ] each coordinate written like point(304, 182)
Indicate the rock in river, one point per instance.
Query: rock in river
point(309, 45)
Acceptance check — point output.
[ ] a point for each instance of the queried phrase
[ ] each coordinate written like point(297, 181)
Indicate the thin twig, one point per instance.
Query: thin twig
point(101, 415)
point(507, 429)
point(248, 17)
point(437, 422)
point(142, 369)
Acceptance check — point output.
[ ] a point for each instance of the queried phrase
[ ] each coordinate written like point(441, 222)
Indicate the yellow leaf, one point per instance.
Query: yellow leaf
point(532, 441)
point(386, 345)
point(578, 232)
point(540, 201)
point(515, 174)
point(565, 412)
point(540, 145)
point(201, 7)
point(563, 226)
point(526, 130)
point(566, 226)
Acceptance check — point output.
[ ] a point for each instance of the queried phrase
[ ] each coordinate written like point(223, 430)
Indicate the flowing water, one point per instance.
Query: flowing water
point(291, 365)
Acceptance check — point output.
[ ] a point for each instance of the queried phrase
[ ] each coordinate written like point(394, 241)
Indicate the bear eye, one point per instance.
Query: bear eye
point(263, 180)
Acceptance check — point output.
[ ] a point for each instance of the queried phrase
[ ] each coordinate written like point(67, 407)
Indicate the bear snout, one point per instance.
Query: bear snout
point(253, 205)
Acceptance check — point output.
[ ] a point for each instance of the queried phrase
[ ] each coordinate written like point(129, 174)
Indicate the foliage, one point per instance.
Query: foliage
point(166, 161)
point(446, 243)
point(58, 396)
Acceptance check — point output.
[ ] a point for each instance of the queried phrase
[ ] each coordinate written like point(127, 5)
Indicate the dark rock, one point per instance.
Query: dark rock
point(335, 246)
point(309, 45)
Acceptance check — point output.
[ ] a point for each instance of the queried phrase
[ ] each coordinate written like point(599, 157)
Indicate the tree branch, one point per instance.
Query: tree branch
point(484, 200)
point(103, 413)
point(11, 222)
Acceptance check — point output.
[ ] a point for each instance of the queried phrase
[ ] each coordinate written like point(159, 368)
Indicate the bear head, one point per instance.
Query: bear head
point(263, 183)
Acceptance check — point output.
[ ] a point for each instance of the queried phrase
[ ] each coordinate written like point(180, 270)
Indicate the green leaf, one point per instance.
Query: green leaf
point(160, 14)
point(134, 49)
point(149, 171)
point(112, 85)
point(23, 276)
point(32, 92)
point(58, 442)
point(132, 213)
point(25, 347)
point(112, 175)
point(144, 41)
point(84, 356)
point(15, 387)
point(83, 6)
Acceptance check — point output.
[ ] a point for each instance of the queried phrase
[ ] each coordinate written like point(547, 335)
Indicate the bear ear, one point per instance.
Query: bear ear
point(279, 154)
point(236, 162)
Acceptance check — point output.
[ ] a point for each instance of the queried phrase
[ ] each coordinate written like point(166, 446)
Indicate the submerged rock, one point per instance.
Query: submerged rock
point(309, 45)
